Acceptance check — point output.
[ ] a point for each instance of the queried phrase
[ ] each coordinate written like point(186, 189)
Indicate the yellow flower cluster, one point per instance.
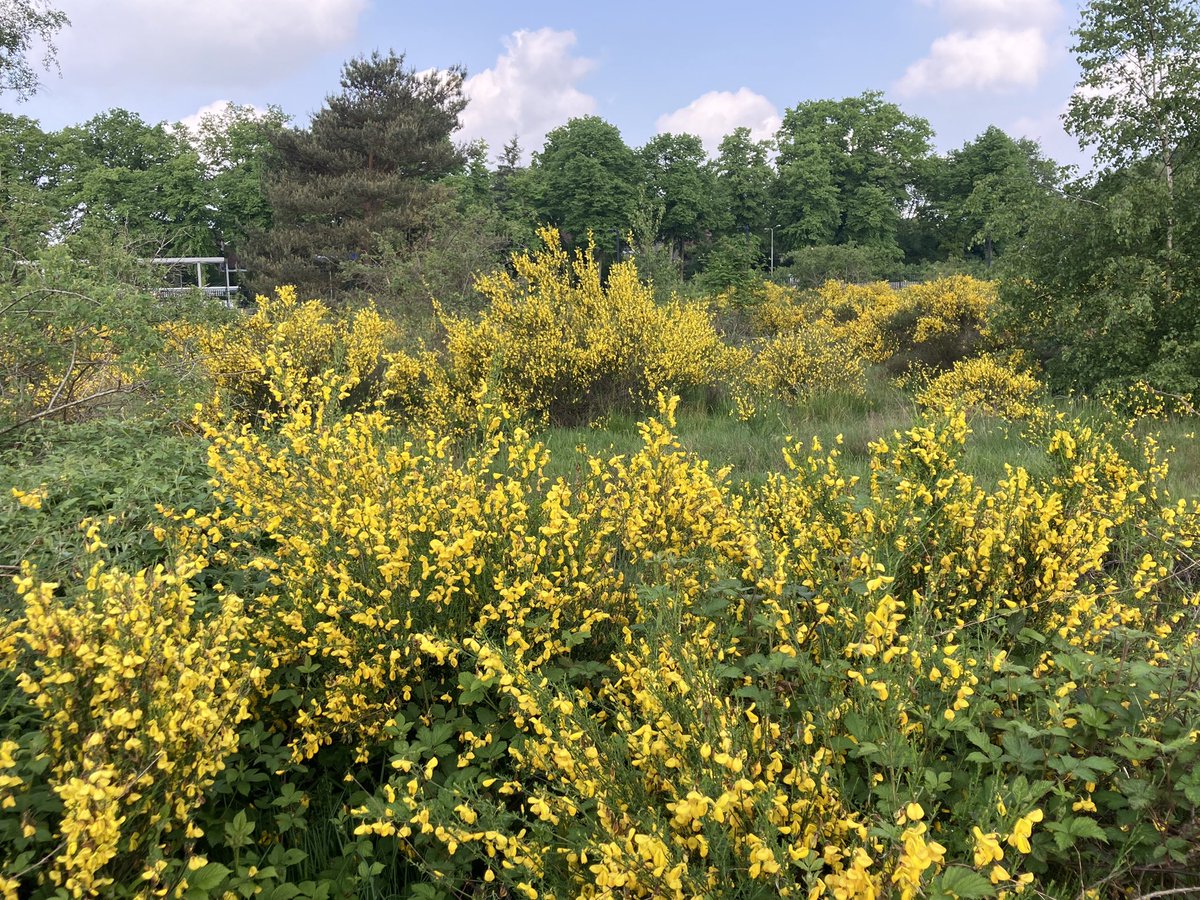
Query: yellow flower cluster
point(985, 384)
point(638, 681)
point(803, 363)
point(821, 340)
point(853, 315)
point(947, 306)
point(1141, 402)
point(558, 342)
point(274, 357)
point(139, 701)
point(878, 593)
point(726, 788)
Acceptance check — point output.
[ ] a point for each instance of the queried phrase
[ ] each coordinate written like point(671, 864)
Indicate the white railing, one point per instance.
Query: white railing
point(225, 291)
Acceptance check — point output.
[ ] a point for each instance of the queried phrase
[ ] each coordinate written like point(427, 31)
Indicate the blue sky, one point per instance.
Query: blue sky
point(646, 67)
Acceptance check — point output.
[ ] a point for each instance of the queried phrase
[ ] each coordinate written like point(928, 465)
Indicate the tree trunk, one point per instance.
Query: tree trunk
point(1169, 170)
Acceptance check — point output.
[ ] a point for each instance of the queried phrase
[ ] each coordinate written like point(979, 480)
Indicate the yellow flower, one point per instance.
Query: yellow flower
point(1023, 830)
point(30, 499)
point(987, 847)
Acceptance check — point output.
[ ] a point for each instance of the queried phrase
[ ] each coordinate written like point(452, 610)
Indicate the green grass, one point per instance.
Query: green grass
point(1178, 437)
point(995, 446)
point(752, 449)
point(96, 469)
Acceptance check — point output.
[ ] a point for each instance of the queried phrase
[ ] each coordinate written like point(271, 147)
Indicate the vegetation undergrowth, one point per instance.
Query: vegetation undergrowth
point(425, 628)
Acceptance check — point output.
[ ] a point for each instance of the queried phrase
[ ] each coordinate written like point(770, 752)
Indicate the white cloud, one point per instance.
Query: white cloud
point(217, 42)
point(993, 45)
point(717, 113)
point(1008, 13)
point(217, 108)
point(530, 90)
point(982, 60)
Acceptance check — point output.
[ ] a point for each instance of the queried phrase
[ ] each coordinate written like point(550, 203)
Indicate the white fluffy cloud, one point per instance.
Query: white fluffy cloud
point(717, 113)
point(217, 42)
point(530, 90)
point(993, 45)
point(217, 108)
point(995, 58)
point(984, 13)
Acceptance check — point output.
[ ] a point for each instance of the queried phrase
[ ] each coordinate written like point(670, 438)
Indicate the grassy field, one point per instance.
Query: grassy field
point(752, 449)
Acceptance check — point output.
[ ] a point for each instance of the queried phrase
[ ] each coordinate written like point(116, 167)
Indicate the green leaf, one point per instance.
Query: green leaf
point(1062, 834)
point(1086, 827)
point(238, 830)
point(208, 877)
point(958, 881)
point(1100, 764)
point(712, 607)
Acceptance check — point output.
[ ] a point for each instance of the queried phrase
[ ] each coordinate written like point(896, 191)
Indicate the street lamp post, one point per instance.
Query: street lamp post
point(771, 228)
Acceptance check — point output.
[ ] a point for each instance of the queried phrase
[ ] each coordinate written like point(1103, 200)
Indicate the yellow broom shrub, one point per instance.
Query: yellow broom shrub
point(985, 384)
point(558, 342)
point(140, 700)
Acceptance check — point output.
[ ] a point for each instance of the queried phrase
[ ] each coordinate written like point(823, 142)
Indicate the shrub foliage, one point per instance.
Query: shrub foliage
point(390, 654)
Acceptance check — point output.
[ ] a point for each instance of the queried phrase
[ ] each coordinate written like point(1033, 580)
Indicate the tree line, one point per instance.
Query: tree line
point(377, 176)
point(375, 196)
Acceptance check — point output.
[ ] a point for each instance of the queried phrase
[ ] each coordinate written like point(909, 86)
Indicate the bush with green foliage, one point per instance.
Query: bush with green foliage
point(85, 336)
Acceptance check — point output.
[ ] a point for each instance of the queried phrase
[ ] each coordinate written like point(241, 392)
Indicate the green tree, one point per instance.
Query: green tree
point(812, 266)
point(513, 187)
point(808, 203)
point(678, 176)
point(441, 263)
point(983, 195)
point(1139, 90)
point(847, 169)
point(236, 146)
point(656, 263)
point(745, 180)
point(467, 234)
point(145, 181)
point(729, 266)
point(23, 24)
point(473, 183)
point(1085, 294)
point(364, 170)
point(586, 179)
point(1105, 287)
point(30, 201)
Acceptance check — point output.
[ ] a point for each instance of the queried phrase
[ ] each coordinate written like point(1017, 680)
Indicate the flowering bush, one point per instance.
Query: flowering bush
point(261, 364)
point(558, 343)
point(394, 655)
point(824, 340)
point(137, 705)
point(942, 321)
point(984, 384)
point(801, 363)
point(848, 314)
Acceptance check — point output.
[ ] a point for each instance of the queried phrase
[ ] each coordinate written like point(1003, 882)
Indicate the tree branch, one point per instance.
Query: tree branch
point(51, 410)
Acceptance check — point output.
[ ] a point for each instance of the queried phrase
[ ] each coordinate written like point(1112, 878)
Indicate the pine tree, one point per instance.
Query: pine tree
point(361, 179)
